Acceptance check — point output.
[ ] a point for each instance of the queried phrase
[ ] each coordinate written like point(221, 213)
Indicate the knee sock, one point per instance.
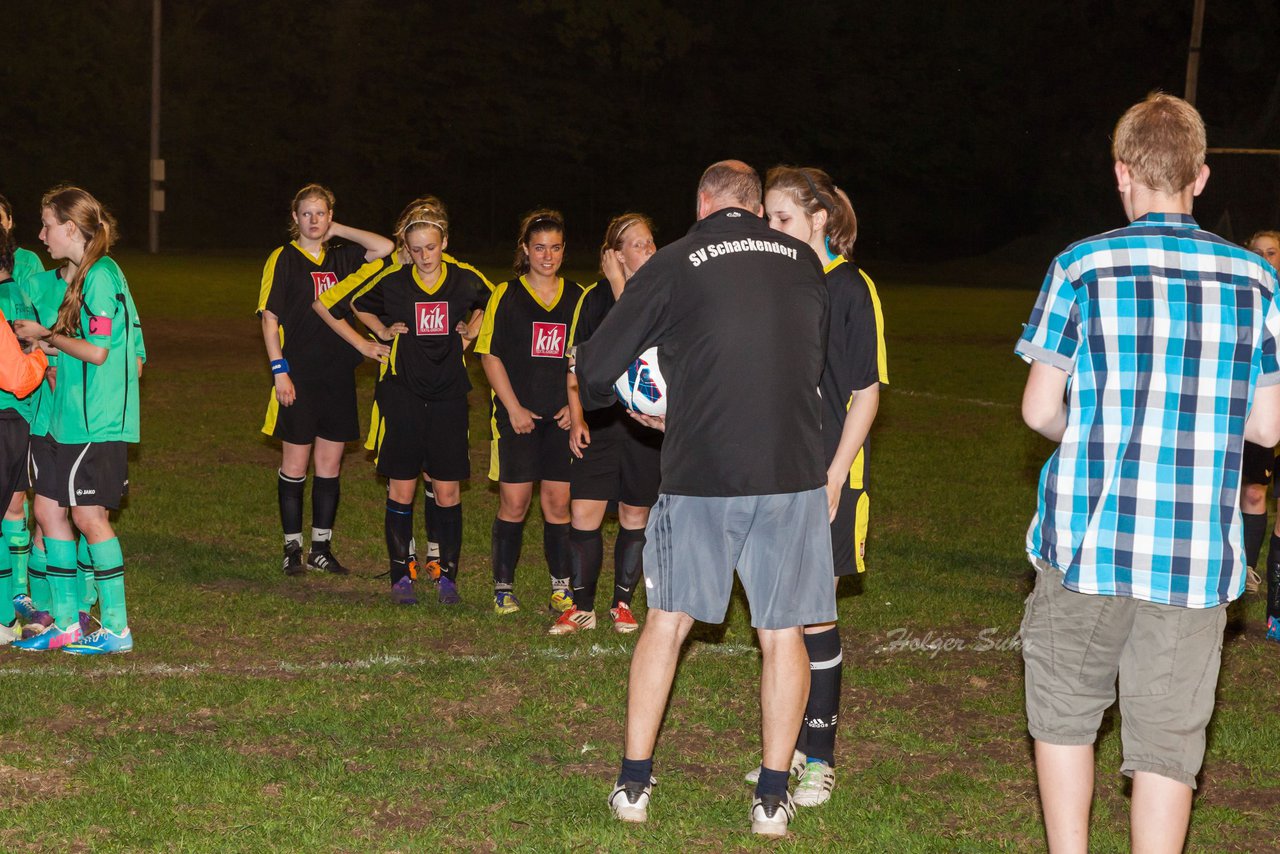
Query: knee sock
point(635, 771)
point(18, 536)
point(628, 564)
point(507, 539)
point(41, 597)
point(1273, 578)
point(555, 546)
point(826, 666)
point(398, 526)
point(1255, 530)
point(289, 491)
point(324, 510)
point(7, 614)
point(108, 570)
point(86, 589)
point(430, 518)
point(448, 533)
point(61, 573)
point(586, 554)
point(772, 782)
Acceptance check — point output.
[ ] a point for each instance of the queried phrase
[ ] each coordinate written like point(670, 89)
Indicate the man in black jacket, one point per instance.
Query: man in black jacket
point(738, 313)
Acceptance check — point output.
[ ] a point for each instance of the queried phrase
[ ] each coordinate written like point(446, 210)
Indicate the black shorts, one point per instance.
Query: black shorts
point(623, 461)
point(44, 467)
point(15, 436)
point(525, 457)
point(849, 531)
point(416, 436)
point(322, 409)
point(1259, 464)
point(92, 474)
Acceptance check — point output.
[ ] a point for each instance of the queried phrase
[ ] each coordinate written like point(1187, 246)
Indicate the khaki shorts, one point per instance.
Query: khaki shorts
point(1075, 645)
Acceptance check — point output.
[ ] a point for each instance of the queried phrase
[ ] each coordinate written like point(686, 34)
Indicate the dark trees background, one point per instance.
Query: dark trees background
point(955, 127)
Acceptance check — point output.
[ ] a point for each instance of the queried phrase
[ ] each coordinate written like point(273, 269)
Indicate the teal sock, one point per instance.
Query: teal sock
point(41, 597)
point(86, 590)
point(18, 536)
point(7, 614)
point(108, 563)
point(61, 573)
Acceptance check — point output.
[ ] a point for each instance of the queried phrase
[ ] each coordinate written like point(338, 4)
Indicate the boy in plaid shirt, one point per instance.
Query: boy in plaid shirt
point(1153, 357)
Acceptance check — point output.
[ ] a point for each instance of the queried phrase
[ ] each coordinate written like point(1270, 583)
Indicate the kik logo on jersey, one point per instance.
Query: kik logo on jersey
point(548, 340)
point(323, 282)
point(433, 317)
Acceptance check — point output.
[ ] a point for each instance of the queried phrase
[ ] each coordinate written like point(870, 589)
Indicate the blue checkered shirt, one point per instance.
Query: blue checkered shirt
point(1165, 330)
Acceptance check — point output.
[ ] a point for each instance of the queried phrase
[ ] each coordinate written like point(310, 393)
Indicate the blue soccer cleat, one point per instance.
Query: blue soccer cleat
point(102, 642)
point(51, 638)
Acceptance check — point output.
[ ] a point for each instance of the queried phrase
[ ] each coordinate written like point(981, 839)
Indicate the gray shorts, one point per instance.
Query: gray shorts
point(780, 545)
point(1074, 645)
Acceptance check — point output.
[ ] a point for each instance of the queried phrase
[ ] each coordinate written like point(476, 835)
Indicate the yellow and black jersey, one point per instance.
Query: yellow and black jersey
point(428, 358)
point(531, 338)
point(855, 350)
point(291, 281)
point(595, 303)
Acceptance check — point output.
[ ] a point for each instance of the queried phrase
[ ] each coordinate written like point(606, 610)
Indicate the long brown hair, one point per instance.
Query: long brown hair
point(813, 190)
point(543, 219)
point(98, 227)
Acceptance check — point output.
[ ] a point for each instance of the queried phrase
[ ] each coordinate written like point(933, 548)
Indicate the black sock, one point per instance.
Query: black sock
point(289, 492)
point(555, 546)
point(398, 526)
point(826, 665)
point(429, 514)
point(1255, 531)
point(628, 564)
point(772, 783)
point(1273, 578)
point(507, 539)
point(448, 532)
point(586, 554)
point(635, 771)
point(324, 502)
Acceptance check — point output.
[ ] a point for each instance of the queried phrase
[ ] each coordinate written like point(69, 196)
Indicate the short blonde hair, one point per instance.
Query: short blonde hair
point(1161, 139)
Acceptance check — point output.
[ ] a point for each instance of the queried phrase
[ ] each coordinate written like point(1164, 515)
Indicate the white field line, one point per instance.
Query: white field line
point(393, 662)
point(975, 401)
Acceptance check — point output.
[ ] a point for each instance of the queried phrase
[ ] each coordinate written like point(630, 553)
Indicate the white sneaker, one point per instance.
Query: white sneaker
point(798, 760)
point(630, 802)
point(816, 782)
point(770, 815)
point(9, 634)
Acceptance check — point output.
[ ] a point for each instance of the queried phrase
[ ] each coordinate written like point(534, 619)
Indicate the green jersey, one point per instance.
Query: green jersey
point(25, 265)
point(44, 292)
point(15, 306)
point(99, 403)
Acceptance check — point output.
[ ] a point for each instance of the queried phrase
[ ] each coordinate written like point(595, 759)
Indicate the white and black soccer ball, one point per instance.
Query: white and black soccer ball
point(642, 388)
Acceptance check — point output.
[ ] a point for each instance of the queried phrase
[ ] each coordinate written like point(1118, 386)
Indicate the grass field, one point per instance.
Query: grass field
point(263, 713)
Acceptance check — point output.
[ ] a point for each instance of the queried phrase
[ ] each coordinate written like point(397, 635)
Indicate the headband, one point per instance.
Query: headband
point(813, 188)
point(431, 222)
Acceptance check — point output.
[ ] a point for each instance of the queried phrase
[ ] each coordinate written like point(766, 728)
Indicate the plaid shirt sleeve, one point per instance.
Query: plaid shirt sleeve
point(1052, 335)
point(1269, 361)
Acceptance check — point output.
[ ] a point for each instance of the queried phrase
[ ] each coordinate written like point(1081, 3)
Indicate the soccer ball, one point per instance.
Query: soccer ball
point(642, 388)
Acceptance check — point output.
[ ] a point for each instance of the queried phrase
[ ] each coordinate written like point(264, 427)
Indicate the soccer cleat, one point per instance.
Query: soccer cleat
point(816, 782)
point(322, 560)
point(40, 620)
point(402, 592)
point(51, 638)
point(25, 608)
point(770, 815)
point(561, 599)
point(798, 761)
point(505, 602)
point(293, 559)
point(447, 591)
point(630, 801)
point(9, 633)
point(572, 621)
point(102, 642)
point(624, 622)
point(1252, 581)
point(1273, 629)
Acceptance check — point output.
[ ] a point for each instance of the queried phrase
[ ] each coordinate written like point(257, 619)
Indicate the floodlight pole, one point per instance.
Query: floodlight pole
point(155, 194)
point(1193, 53)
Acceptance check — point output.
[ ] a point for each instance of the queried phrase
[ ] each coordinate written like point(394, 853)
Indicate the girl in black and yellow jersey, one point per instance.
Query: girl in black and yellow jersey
point(805, 204)
point(523, 343)
point(314, 401)
point(430, 309)
point(615, 458)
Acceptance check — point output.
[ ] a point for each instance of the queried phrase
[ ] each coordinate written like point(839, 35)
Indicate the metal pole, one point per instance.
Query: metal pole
point(1193, 53)
point(153, 185)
